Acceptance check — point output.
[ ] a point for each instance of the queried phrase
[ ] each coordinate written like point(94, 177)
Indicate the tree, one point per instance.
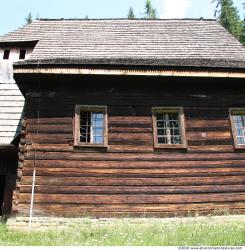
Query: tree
point(229, 18)
point(150, 12)
point(29, 18)
point(243, 33)
point(131, 14)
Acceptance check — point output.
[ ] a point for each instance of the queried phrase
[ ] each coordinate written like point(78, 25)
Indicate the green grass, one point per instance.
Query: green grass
point(207, 231)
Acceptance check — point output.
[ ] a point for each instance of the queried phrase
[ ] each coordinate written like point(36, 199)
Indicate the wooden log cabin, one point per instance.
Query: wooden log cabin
point(130, 118)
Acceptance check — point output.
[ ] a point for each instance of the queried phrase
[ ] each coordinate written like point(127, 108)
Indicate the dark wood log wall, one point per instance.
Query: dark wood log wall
point(8, 168)
point(130, 177)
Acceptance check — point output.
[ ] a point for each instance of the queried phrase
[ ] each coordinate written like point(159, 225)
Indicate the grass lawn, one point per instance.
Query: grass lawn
point(205, 231)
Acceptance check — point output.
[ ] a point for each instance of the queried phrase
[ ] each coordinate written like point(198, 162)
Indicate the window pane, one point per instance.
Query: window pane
point(162, 140)
point(159, 116)
point(240, 140)
point(91, 127)
point(161, 124)
point(98, 131)
point(85, 126)
point(176, 140)
point(175, 124)
point(161, 132)
point(173, 116)
point(98, 123)
point(98, 127)
point(240, 132)
point(175, 131)
point(168, 128)
point(239, 122)
point(99, 116)
point(98, 139)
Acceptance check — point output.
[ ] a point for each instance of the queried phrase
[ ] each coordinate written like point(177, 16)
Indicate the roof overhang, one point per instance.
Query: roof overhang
point(27, 43)
point(132, 71)
point(179, 67)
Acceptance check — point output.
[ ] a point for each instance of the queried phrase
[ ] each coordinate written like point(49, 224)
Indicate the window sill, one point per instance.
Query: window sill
point(83, 145)
point(176, 146)
point(239, 147)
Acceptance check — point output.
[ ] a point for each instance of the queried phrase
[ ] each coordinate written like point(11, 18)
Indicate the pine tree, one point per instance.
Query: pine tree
point(229, 18)
point(243, 33)
point(150, 12)
point(29, 18)
point(131, 14)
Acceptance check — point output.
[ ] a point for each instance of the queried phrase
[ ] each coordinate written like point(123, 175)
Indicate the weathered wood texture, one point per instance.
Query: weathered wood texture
point(130, 176)
point(11, 107)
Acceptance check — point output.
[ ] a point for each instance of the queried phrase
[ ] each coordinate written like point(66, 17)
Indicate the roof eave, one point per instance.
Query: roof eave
point(173, 71)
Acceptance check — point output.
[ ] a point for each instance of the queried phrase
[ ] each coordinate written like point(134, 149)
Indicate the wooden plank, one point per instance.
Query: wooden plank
point(93, 181)
point(48, 139)
point(132, 157)
point(11, 103)
point(8, 122)
point(212, 148)
point(134, 147)
point(9, 133)
point(130, 136)
point(10, 116)
point(133, 199)
point(211, 135)
point(134, 130)
point(130, 145)
point(135, 164)
point(60, 146)
point(203, 123)
point(51, 129)
point(8, 128)
point(9, 86)
point(52, 189)
point(10, 110)
point(71, 209)
point(130, 119)
point(166, 172)
point(50, 121)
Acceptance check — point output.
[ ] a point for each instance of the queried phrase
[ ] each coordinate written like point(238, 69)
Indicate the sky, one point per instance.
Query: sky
point(13, 12)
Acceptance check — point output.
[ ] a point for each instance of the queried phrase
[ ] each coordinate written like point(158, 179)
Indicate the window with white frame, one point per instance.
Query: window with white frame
point(91, 125)
point(237, 117)
point(168, 127)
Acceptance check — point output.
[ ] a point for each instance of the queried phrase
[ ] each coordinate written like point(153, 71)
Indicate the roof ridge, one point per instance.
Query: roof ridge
point(124, 19)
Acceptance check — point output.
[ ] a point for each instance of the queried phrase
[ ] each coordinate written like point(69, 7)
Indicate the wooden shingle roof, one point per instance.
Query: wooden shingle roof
point(170, 42)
